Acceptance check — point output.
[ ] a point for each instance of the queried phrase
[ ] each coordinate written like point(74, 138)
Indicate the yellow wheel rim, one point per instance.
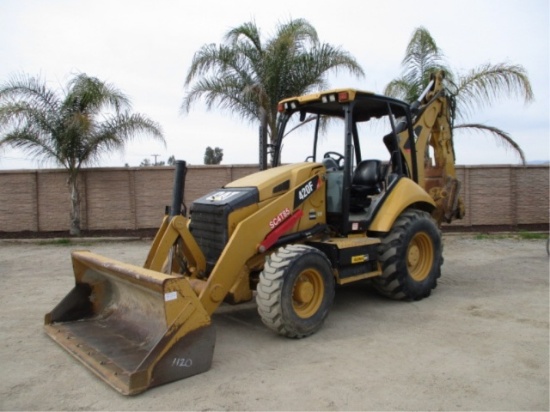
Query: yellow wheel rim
point(308, 292)
point(420, 256)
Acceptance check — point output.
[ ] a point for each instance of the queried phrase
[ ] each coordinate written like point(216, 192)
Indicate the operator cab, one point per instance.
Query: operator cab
point(369, 151)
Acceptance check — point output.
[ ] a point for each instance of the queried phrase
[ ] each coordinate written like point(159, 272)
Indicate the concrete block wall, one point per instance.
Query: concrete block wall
point(135, 198)
point(504, 195)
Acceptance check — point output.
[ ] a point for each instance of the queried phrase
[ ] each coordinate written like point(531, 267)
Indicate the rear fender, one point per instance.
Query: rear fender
point(405, 193)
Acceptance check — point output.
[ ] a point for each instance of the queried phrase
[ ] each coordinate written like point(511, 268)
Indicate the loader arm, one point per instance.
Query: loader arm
point(161, 252)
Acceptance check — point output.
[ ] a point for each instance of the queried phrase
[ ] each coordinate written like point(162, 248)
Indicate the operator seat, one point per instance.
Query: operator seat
point(366, 181)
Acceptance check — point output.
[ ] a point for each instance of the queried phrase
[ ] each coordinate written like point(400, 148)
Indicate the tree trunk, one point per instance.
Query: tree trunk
point(263, 140)
point(271, 130)
point(75, 205)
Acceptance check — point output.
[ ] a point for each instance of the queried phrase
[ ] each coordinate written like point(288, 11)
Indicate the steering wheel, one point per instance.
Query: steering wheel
point(337, 157)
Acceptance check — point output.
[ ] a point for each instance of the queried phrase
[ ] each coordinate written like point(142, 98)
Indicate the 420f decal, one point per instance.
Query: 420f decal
point(306, 190)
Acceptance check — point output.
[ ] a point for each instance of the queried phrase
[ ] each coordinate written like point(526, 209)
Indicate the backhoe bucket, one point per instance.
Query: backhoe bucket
point(133, 327)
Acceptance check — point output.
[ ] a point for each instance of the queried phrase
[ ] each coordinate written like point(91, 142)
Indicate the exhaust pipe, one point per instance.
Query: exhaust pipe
point(178, 207)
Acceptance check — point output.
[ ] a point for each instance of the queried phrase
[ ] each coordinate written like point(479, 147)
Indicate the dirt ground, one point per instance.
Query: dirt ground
point(480, 342)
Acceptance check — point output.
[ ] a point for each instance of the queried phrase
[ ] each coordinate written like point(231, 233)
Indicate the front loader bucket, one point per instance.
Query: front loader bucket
point(133, 327)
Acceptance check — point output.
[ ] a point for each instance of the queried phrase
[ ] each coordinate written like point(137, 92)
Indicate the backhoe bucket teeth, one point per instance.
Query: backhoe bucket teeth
point(133, 327)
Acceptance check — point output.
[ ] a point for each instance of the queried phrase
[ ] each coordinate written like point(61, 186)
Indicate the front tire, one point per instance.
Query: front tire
point(411, 257)
point(295, 291)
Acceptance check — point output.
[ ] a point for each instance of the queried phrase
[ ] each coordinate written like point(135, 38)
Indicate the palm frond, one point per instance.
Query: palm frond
point(399, 88)
point(296, 35)
point(247, 32)
point(90, 95)
point(20, 113)
point(501, 137)
point(208, 58)
point(32, 143)
point(33, 90)
point(484, 85)
point(422, 57)
point(114, 133)
point(226, 94)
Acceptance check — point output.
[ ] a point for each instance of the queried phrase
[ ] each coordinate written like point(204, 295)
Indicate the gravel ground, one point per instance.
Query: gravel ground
point(480, 342)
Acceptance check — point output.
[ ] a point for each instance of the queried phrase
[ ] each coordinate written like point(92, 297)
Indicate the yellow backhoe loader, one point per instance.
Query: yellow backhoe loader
point(286, 236)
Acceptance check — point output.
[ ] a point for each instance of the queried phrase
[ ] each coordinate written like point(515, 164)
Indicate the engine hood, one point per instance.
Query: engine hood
point(278, 180)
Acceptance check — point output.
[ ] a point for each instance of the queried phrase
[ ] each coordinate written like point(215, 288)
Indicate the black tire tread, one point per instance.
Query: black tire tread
point(268, 296)
point(391, 283)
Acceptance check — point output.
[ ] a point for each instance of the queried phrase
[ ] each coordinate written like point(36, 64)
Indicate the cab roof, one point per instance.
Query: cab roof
point(330, 102)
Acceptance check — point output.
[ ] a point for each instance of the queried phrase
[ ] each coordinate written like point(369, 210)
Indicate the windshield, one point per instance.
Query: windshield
point(299, 143)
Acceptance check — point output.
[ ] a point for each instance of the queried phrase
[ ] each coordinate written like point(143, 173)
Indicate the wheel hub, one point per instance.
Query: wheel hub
point(414, 256)
point(420, 256)
point(307, 293)
point(304, 291)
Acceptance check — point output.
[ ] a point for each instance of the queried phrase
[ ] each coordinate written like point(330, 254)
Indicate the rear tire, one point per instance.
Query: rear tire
point(295, 291)
point(411, 257)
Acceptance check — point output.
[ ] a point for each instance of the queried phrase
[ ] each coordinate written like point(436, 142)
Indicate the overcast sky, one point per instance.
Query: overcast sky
point(145, 48)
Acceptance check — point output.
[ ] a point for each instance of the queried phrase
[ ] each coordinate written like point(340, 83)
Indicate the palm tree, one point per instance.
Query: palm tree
point(476, 89)
point(73, 128)
point(249, 77)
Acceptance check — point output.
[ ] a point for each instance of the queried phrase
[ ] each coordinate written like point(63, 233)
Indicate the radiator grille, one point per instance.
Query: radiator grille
point(210, 217)
point(209, 228)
